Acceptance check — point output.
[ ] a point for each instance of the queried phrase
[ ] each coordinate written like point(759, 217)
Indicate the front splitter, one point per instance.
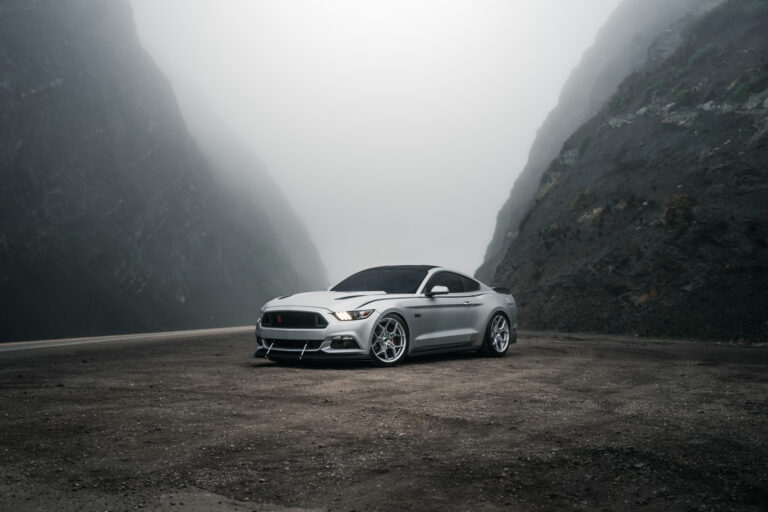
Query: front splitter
point(316, 355)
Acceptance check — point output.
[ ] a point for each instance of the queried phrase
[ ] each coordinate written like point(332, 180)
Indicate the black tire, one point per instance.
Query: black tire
point(395, 350)
point(492, 345)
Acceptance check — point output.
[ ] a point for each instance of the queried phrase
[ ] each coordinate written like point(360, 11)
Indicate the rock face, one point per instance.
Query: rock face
point(638, 31)
point(653, 219)
point(110, 218)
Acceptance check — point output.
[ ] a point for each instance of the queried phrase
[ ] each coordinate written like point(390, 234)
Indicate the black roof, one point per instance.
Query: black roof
point(404, 267)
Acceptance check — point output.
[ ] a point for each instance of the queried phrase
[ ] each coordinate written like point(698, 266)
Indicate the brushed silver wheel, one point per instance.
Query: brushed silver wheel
point(497, 336)
point(390, 341)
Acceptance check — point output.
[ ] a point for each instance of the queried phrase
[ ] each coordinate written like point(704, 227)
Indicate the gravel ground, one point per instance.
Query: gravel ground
point(564, 422)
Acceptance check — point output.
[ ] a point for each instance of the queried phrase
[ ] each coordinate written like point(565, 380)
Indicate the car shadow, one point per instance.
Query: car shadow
point(271, 364)
point(454, 356)
point(426, 359)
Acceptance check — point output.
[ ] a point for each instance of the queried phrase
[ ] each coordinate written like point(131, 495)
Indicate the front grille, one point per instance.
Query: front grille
point(292, 344)
point(293, 320)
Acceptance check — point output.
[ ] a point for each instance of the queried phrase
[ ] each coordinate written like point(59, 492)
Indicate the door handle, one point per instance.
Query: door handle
point(468, 303)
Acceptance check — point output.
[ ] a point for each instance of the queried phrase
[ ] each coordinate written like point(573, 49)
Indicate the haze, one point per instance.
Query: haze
point(395, 129)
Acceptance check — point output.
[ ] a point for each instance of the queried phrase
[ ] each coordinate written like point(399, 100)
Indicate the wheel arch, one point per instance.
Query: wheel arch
point(399, 314)
point(494, 311)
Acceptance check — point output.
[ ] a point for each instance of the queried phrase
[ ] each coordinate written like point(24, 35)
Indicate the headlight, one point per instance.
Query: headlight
point(353, 315)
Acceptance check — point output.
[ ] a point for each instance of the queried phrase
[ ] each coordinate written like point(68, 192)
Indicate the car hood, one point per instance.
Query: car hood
point(332, 301)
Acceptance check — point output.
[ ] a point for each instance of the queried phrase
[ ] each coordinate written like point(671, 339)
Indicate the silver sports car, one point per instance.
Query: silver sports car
point(386, 314)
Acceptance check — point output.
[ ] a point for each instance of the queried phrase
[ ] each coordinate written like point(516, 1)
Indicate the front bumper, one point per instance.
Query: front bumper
point(317, 344)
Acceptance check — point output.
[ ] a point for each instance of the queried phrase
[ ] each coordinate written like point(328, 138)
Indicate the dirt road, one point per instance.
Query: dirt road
point(561, 423)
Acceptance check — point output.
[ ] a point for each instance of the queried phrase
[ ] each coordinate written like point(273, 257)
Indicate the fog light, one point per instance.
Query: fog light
point(344, 342)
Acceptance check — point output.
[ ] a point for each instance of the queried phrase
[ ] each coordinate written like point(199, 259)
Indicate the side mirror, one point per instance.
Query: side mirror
point(437, 290)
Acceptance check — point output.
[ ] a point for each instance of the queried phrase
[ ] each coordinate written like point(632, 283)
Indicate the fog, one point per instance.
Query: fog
point(394, 128)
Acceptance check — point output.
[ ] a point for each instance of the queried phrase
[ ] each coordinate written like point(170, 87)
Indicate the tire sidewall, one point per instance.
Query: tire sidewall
point(488, 348)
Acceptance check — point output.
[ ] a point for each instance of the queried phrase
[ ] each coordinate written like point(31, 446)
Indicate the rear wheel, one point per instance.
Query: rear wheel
point(497, 336)
point(389, 343)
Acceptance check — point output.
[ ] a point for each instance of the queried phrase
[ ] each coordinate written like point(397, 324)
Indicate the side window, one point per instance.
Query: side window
point(448, 279)
point(470, 285)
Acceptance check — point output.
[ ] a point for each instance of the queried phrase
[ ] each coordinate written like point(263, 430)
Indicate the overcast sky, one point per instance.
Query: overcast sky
point(395, 128)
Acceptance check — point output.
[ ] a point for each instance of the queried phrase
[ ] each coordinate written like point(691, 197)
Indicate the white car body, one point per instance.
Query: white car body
point(307, 325)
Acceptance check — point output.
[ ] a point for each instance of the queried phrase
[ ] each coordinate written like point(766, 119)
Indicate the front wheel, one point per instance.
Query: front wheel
point(389, 343)
point(497, 335)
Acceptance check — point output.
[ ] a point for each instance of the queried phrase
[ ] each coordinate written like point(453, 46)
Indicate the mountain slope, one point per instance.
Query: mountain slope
point(241, 172)
point(110, 220)
point(654, 217)
point(638, 31)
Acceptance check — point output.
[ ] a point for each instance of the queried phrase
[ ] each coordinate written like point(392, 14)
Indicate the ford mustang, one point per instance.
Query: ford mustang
point(386, 314)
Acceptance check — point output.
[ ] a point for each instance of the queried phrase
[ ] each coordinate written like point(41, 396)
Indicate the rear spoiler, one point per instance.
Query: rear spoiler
point(505, 291)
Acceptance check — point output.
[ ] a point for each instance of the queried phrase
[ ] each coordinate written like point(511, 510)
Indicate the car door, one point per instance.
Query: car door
point(443, 321)
point(476, 301)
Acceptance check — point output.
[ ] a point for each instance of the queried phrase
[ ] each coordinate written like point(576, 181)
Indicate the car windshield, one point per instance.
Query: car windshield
point(390, 280)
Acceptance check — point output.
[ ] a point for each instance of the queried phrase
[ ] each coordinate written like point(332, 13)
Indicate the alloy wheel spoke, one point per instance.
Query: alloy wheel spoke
point(499, 333)
point(388, 340)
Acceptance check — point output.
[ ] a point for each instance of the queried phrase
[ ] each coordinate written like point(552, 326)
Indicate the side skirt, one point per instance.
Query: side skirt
point(463, 347)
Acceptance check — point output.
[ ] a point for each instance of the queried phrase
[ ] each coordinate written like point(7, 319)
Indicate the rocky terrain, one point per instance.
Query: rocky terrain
point(563, 422)
point(653, 219)
point(111, 219)
point(638, 31)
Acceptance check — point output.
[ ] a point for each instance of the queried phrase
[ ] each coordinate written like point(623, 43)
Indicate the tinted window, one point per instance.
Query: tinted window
point(390, 280)
point(448, 279)
point(470, 285)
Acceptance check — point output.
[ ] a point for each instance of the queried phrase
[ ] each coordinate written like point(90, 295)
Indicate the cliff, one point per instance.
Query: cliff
point(110, 218)
point(653, 218)
point(638, 31)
